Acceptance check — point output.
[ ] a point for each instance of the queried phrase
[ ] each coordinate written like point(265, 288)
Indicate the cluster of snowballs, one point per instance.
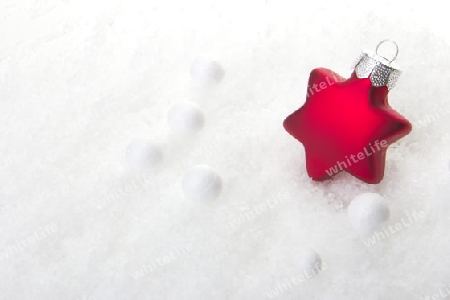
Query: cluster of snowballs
point(366, 213)
point(201, 182)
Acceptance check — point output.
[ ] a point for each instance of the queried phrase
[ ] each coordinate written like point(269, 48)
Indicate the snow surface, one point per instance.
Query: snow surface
point(80, 79)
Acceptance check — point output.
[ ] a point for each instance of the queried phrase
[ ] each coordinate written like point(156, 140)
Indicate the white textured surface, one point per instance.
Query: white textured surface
point(80, 79)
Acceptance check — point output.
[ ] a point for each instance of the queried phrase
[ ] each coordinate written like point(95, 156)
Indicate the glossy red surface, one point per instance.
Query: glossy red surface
point(345, 124)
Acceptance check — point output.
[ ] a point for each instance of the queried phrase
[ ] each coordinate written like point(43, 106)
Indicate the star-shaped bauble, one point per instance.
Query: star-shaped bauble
point(346, 124)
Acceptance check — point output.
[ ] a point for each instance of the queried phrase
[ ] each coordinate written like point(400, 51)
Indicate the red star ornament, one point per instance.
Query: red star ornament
point(346, 124)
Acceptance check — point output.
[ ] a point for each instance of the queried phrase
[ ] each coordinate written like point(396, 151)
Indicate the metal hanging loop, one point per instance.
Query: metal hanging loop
point(396, 50)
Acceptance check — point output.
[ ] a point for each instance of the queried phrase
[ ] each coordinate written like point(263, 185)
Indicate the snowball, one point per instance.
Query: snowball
point(201, 183)
point(144, 155)
point(367, 212)
point(186, 118)
point(205, 71)
point(308, 263)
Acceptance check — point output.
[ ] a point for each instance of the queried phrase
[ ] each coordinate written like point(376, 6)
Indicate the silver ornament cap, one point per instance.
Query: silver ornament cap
point(378, 68)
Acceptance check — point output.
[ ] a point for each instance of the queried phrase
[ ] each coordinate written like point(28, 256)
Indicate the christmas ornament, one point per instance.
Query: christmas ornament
point(202, 183)
point(347, 124)
point(144, 155)
point(367, 212)
point(186, 118)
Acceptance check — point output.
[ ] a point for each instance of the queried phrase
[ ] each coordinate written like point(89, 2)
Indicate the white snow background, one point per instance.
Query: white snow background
point(80, 79)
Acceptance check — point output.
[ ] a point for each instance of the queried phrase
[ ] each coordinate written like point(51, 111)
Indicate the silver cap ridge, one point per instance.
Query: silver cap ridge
point(378, 68)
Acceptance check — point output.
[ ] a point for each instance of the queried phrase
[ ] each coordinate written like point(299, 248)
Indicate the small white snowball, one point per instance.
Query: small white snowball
point(367, 212)
point(202, 183)
point(205, 71)
point(144, 155)
point(308, 263)
point(186, 118)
